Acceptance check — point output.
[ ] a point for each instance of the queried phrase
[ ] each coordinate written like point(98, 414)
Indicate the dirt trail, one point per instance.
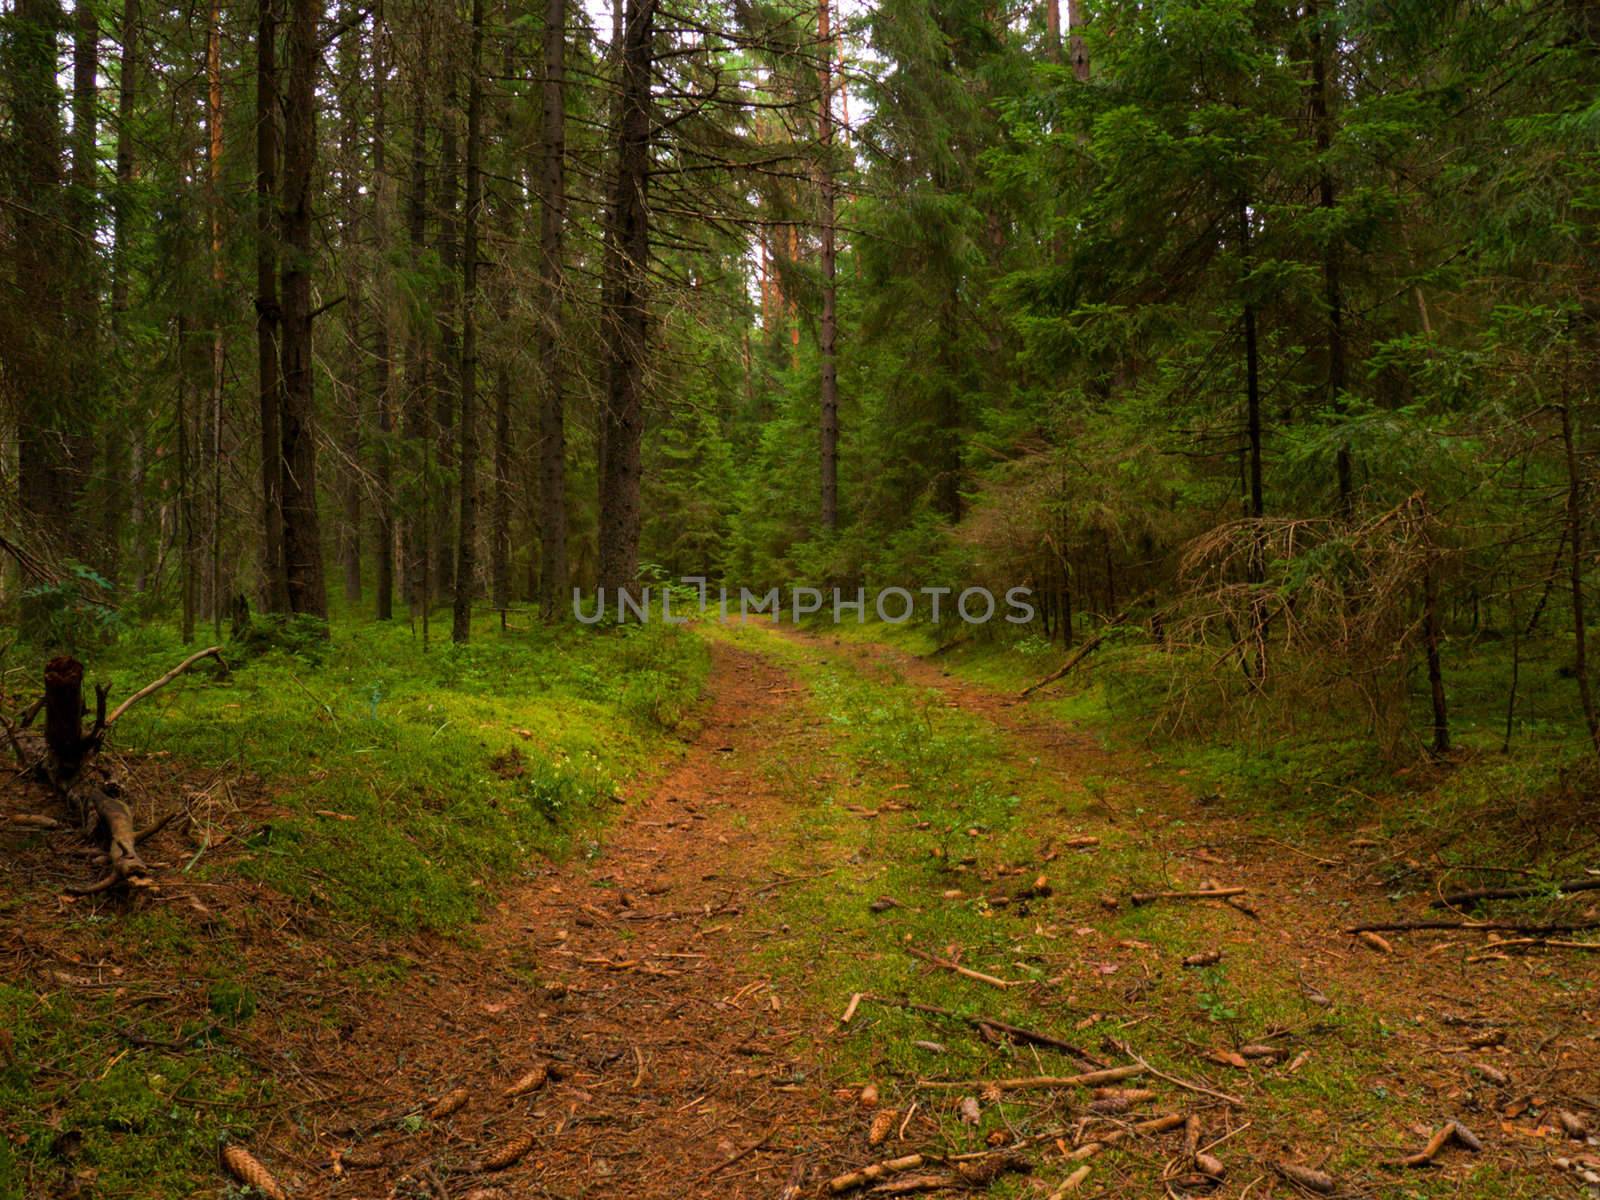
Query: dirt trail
point(669, 1042)
point(1443, 1001)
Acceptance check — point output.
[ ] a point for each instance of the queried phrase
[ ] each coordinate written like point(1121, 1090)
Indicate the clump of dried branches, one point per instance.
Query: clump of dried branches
point(1288, 612)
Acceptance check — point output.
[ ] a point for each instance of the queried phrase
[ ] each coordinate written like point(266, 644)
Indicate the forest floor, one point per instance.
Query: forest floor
point(842, 826)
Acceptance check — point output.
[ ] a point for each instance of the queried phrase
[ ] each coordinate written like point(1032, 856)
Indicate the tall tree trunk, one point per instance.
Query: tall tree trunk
point(828, 329)
point(626, 321)
point(1333, 289)
point(447, 371)
point(269, 316)
point(552, 403)
point(383, 380)
point(467, 530)
point(1052, 28)
point(302, 537)
point(414, 522)
point(185, 489)
point(46, 416)
point(121, 232)
point(354, 360)
point(214, 144)
point(83, 212)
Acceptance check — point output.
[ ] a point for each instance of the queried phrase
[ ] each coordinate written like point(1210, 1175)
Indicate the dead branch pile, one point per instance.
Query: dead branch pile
point(68, 766)
point(1287, 607)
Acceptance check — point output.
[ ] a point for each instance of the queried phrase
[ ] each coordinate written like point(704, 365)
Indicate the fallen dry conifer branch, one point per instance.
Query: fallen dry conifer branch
point(968, 972)
point(873, 1172)
point(1015, 1032)
point(1176, 1081)
point(1200, 894)
point(1088, 1079)
point(1454, 899)
point(1491, 926)
point(1528, 943)
point(151, 688)
point(739, 1155)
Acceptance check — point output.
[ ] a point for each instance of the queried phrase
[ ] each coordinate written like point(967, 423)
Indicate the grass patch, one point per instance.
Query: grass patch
point(443, 768)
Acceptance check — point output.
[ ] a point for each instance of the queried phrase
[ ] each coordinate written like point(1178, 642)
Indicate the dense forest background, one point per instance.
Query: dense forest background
point(1259, 337)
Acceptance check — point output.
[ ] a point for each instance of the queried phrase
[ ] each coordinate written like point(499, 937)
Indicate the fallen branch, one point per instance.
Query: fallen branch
point(968, 972)
point(1550, 943)
point(1015, 1032)
point(1106, 1141)
point(1515, 893)
point(1068, 667)
point(738, 1155)
point(1088, 1079)
point(151, 688)
point(1498, 926)
point(1187, 1086)
point(1202, 894)
point(862, 1176)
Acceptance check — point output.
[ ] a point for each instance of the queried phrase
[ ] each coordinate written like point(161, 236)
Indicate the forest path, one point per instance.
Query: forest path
point(1353, 1053)
point(841, 813)
point(630, 972)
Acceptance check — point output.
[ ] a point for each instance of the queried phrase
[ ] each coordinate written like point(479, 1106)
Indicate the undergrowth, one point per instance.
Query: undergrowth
point(1528, 799)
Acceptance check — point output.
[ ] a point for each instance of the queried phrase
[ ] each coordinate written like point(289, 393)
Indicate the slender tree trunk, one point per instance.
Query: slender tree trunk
point(1333, 289)
point(121, 232)
point(500, 532)
point(828, 329)
point(1257, 566)
point(185, 488)
point(467, 531)
point(447, 372)
point(354, 360)
point(83, 210)
point(1430, 641)
point(269, 315)
point(1576, 515)
point(302, 538)
point(414, 524)
point(214, 145)
point(626, 321)
point(383, 381)
point(552, 403)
